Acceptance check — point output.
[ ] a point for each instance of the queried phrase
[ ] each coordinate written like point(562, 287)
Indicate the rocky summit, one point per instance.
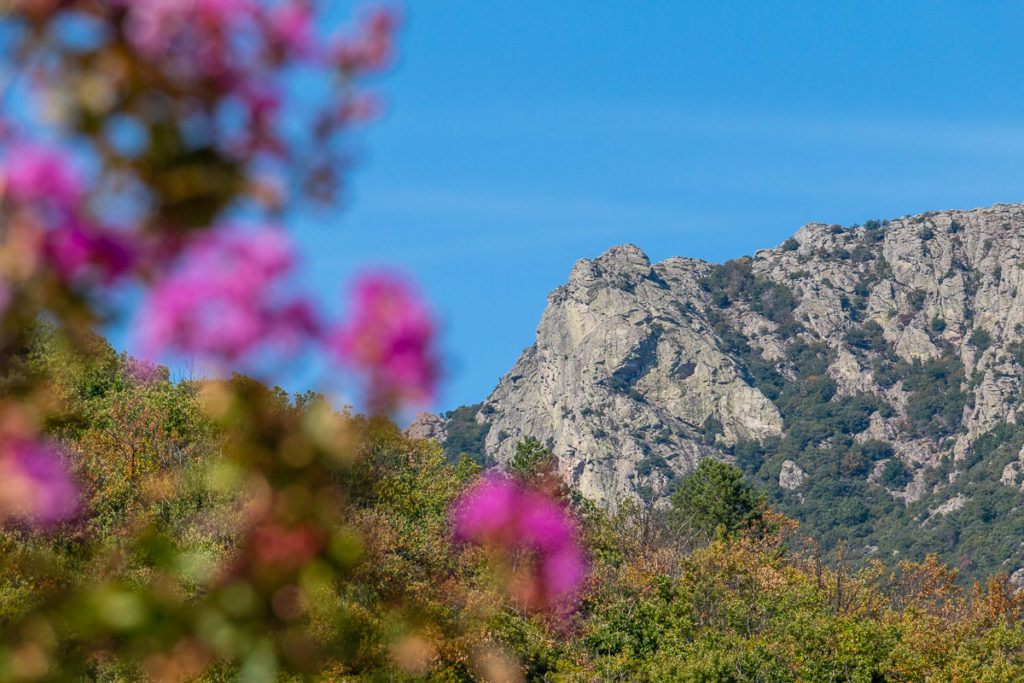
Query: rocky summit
point(867, 378)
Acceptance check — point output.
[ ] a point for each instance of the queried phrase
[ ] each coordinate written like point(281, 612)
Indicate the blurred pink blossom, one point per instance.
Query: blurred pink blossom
point(225, 298)
point(79, 252)
point(143, 372)
point(291, 27)
point(195, 29)
point(390, 338)
point(488, 512)
point(35, 486)
point(262, 103)
point(563, 571)
point(543, 522)
point(35, 173)
point(505, 515)
point(43, 178)
point(371, 49)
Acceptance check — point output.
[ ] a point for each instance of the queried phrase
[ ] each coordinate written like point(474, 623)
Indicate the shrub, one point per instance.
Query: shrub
point(915, 298)
point(895, 474)
point(981, 339)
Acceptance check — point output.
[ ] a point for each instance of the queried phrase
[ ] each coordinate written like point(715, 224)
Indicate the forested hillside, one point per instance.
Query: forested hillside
point(715, 587)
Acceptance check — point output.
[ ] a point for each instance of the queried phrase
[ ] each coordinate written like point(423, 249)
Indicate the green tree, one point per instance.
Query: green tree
point(532, 459)
point(536, 467)
point(715, 494)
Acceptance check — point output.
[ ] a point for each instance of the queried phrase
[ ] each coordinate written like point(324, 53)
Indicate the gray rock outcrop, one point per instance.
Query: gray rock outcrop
point(791, 476)
point(911, 330)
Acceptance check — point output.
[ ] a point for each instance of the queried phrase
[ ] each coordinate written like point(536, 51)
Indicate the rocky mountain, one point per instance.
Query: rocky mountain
point(868, 379)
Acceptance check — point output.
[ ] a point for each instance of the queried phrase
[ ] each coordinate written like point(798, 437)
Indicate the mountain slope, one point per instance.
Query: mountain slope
point(867, 378)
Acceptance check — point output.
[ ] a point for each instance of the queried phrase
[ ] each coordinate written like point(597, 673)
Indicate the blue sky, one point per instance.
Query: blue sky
point(522, 136)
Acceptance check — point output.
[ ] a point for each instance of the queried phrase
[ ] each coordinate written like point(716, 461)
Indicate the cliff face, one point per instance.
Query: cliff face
point(624, 376)
point(885, 357)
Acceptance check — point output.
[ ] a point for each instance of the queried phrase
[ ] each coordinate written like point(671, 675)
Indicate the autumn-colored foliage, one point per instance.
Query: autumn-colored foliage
point(288, 537)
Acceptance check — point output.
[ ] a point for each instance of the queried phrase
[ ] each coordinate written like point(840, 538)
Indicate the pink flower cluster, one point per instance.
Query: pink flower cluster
point(35, 486)
point(217, 291)
point(141, 372)
point(190, 36)
point(505, 515)
point(166, 30)
point(37, 173)
point(40, 185)
point(234, 45)
point(225, 299)
point(389, 337)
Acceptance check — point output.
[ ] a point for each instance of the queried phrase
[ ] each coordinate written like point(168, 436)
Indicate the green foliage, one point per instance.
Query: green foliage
point(861, 254)
point(882, 268)
point(1016, 350)
point(531, 460)
point(936, 401)
point(712, 429)
point(868, 337)
point(873, 231)
point(895, 474)
point(981, 339)
point(667, 599)
point(737, 282)
point(936, 398)
point(714, 495)
point(790, 244)
point(915, 298)
point(465, 436)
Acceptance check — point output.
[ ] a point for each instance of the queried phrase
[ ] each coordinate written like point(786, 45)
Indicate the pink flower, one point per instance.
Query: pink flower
point(291, 27)
point(190, 38)
point(372, 48)
point(42, 179)
point(262, 103)
point(36, 173)
point(157, 26)
point(543, 523)
point(562, 571)
point(143, 372)
point(35, 486)
point(80, 253)
point(225, 300)
point(506, 516)
point(390, 338)
point(488, 511)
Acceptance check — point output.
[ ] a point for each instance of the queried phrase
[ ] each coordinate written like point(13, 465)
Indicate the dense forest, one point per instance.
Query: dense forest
point(717, 586)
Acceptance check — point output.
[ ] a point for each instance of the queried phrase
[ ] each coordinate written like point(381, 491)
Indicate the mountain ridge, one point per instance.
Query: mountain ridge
point(856, 374)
